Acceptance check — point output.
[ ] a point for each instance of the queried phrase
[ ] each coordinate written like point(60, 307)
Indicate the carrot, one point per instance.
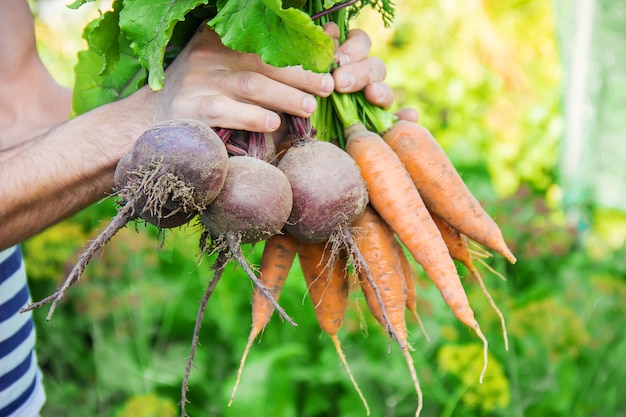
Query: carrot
point(459, 250)
point(395, 197)
point(327, 283)
point(278, 255)
point(326, 276)
point(441, 187)
point(379, 250)
point(411, 299)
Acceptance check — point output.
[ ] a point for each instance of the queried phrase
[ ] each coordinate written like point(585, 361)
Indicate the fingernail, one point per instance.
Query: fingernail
point(273, 122)
point(381, 93)
point(346, 80)
point(328, 84)
point(309, 104)
point(344, 59)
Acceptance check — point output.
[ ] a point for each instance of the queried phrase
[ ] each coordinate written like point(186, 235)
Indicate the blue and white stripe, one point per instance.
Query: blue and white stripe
point(21, 390)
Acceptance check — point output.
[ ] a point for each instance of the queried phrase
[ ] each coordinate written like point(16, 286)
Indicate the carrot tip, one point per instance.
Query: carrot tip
point(416, 383)
point(342, 357)
point(510, 257)
point(251, 338)
point(485, 353)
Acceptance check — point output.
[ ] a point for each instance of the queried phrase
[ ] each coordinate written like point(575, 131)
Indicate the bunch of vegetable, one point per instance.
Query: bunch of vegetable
point(354, 203)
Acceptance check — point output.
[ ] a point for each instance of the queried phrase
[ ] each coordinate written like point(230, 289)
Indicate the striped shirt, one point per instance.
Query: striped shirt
point(21, 389)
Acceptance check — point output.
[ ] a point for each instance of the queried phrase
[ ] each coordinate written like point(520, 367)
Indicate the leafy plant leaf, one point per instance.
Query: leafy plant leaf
point(281, 37)
point(149, 25)
point(385, 8)
point(107, 70)
point(298, 4)
point(77, 3)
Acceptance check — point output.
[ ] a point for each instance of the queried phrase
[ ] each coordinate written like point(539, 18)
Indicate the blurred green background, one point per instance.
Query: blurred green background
point(500, 85)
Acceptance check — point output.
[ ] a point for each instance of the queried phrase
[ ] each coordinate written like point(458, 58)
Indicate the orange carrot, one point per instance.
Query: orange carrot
point(326, 275)
point(441, 187)
point(409, 278)
point(278, 255)
point(394, 196)
point(457, 245)
point(377, 246)
point(327, 283)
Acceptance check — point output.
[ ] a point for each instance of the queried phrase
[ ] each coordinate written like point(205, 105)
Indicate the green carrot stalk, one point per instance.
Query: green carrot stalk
point(340, 111)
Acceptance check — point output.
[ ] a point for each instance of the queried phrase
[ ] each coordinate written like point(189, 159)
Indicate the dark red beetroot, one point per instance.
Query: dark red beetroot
point(166, 219)
point(190, 163)
point(329, 194)
point(177, 165)
point(328, 191)
point(254, 203)
point(123, 172)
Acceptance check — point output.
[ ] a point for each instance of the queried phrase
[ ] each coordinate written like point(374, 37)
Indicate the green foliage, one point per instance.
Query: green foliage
point(130, 45)
point(49, 251)
point(107, 70)
point(149, 26)
point(121, 338)
point(281, 37)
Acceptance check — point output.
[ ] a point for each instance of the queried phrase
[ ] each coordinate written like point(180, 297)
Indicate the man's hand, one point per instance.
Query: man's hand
point(236, 90)
point(357, 70)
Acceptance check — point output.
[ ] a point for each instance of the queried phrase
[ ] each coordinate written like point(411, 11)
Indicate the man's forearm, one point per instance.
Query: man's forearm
point(49, 178)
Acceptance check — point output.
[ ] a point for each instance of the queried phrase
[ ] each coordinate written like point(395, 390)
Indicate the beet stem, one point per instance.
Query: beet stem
point(256, 145)
point(235, 249)
point(332, 9)
point(300, 127)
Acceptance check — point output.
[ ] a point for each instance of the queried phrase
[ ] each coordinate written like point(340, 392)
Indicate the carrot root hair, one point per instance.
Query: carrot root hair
point(342, 357)
point(416, 382)
point(242, 363)
point(476, 249)
point(420, 324)
point(485, 291)
point(482, 337)
point(491, 269)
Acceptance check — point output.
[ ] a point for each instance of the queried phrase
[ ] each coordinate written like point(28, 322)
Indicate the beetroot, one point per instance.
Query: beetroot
point(328, 191)
point(254, 203)
point(188, 161)
point(175, 169)
point(166, 218)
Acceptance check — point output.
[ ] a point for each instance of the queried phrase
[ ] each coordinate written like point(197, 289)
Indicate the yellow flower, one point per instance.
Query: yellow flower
point(465, 363)
point(563, 334)
point(147, 405)
point(48, 254)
